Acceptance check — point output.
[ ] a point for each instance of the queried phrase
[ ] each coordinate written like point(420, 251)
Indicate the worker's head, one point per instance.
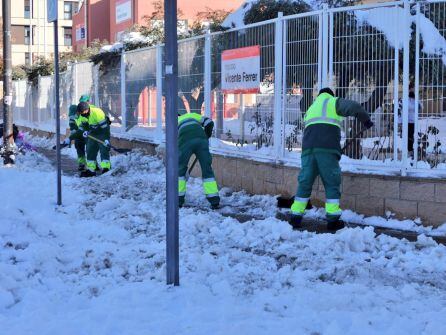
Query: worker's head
point(326, 90)
point(83, 109)
point(85, 98)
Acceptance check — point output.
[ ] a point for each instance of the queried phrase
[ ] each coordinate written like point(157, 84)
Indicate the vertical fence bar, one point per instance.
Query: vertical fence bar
point(405, 119)
point(325, 46)
point(320, 47)
point(123, 104)
point(330, 50)
point(396, 84)
point(207, 75)
point(284, 86)
point(159, 90)
point(278, 58)
point(417, 82)
point(96, 84)
point(75, 81)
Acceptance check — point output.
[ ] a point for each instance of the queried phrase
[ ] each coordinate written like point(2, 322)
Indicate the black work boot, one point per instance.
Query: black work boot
point(105, 170)
point(335, 225)
point(295, 221)
point(81, 167)
point(87, 174)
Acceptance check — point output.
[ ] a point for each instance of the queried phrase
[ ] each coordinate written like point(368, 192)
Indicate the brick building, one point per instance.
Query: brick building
point(91, 23)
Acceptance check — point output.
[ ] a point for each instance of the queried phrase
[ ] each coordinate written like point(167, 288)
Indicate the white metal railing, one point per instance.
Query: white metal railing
point(367, 53)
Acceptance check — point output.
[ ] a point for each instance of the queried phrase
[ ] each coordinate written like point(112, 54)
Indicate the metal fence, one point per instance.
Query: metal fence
point(389, 57)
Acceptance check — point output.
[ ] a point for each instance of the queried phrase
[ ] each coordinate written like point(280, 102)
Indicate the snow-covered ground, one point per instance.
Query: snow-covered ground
point(96, 265)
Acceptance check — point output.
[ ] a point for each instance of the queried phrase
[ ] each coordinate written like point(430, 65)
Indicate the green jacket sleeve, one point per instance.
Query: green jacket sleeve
point(345, 107)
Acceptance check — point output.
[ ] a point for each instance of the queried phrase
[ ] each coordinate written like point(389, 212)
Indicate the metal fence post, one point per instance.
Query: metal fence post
point(123, 100)
point(330, 46)
point(159, 90)
point(39, 85)
point(405, 114)
point(278, 75)
point(325, 59)
point(207, 75)
point(285, 115)
point(96, 85)
point(417, 82)
point(75, 80)
point(395, 99)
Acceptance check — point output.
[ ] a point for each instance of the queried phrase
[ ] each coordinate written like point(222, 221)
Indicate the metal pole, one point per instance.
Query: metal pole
point(405, 115)
point(278, 72)
point(8, 139)
point(417, 85)
point(56, 70)
point(171, 54)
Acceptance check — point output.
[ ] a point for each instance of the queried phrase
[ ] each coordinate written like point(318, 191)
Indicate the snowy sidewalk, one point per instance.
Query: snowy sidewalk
point(96, 265)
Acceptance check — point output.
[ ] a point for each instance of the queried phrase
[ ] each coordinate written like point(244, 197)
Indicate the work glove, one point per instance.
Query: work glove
point(368, 124)
point(107, 143)
point(85, 134)
point(67, 141)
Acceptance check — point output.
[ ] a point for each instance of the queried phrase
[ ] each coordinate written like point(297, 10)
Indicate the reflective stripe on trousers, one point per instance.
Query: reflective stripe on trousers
point(181, 186)
point(106, 164)
point(210, 187)
point(91, 165)
point(332, 207)
point(299, 206)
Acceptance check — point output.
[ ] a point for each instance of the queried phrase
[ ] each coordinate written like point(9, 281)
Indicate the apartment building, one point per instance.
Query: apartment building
point(108, 19)
point(32, 35)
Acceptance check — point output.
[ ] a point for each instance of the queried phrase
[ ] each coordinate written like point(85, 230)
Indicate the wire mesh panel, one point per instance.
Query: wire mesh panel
point(427, 118)
point(84, 80)
point(45, 101)
point(66, 92)
point(245, 120)
point(302, 75)
point(20, 101)
point(140, 87)
point(191, 75)
point(109, 89)
point(362, 68)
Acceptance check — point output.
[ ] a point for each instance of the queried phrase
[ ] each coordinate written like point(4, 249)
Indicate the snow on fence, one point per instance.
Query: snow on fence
point(379, 55)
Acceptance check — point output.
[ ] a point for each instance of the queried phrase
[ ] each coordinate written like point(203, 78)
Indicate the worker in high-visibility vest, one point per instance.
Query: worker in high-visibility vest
point(194, 131)
point(321, 152)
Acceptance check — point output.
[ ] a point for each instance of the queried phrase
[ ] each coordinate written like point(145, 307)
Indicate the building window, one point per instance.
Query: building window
point(28, 40)
point(69, 8)
point(27, 9)
point(27, 58)
point(68, 36)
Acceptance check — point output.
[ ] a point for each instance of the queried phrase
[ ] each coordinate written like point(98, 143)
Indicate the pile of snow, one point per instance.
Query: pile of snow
point(96, 265)
point(235, 19)
point(127, 40)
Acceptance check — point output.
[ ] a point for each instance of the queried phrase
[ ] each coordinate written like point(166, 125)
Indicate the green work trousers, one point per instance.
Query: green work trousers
point(93, 147)
point(79, 144)
point(200, 148)
point(326, 165)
